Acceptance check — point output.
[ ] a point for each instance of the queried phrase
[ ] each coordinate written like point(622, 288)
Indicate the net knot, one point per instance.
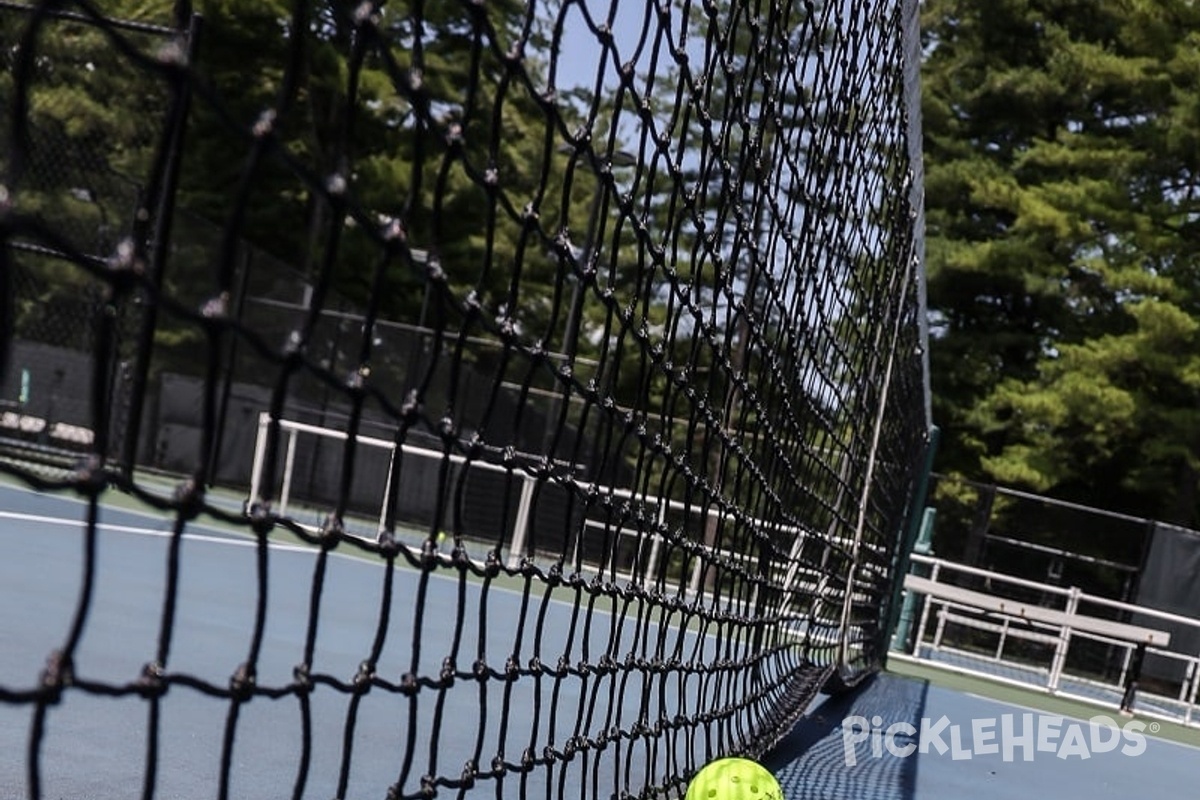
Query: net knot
point(89, 476)
point(429, 553)
point(302, 678)
point(216, 307)
point(332, 532)
point(492, 565)
point(150, 683)
point(58, 674)
point(262, 520)
point(410, 412)
point(242, 682)
point(562, 244)
point(365, 13)
point(173, 54)
point(364, 677)
point(265, 124)
point(189, 499)
point(124, 263)
point(389, 548)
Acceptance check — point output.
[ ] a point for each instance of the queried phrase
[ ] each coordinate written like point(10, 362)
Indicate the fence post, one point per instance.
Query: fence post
point(387, 488)
point(163, 186)
point(924, 546)
point(260, 455)
point(916, 650)
point(289, 466)
point(521, 527)
point(919, 530)
point(1131, 680)
point(1191, 703)
point(1064, 640)
point(660, 521)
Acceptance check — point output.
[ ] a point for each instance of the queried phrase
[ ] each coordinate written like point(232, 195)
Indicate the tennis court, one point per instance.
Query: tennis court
point(216, 600)
point(514, 399)
point(93, 744)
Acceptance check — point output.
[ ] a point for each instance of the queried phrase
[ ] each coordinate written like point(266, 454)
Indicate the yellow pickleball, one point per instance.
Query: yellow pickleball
point(734, 779)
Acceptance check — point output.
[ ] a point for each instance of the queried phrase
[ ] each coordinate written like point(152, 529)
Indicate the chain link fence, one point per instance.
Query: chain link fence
point(86, 178)
point(1063, 546)
point(1040, 538)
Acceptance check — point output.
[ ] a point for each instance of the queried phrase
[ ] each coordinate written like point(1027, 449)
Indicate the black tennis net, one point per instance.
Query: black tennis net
point(607, 315)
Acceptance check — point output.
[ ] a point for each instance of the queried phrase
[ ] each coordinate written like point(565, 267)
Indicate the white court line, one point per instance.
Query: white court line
point(156, 532)
point(228, 539)
point(1044, 713)
point(242, 540)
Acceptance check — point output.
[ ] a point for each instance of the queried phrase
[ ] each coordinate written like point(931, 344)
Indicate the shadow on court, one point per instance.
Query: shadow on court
point(813, 762)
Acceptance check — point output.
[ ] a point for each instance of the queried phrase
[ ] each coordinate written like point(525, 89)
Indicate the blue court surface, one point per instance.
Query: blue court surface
point(94, 746)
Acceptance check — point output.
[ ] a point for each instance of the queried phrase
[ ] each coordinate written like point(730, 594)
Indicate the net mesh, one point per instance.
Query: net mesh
point(627, 298)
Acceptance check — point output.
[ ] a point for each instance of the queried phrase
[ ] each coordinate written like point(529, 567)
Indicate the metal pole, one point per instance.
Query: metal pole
point(166, 189)
point(1064, 641)
point(289, 465)
point(260, 455)
point(227, 389)
point(924, 546)
point(920, 528)
point(521, 529)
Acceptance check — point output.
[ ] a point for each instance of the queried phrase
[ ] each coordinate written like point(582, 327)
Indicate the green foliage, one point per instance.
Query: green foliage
point(1062, 161)
point(92, 123)
point(445, 137)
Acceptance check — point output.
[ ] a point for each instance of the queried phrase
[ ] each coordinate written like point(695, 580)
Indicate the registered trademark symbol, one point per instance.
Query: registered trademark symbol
point(1154, 727)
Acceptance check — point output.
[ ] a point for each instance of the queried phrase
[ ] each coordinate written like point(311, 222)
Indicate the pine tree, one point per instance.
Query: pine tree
point(1061, 147)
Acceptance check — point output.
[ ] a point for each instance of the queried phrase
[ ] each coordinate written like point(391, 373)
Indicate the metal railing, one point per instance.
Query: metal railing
point(1080, 646)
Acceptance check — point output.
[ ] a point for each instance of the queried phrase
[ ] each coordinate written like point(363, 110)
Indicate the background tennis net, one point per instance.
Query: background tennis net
point(617, 304)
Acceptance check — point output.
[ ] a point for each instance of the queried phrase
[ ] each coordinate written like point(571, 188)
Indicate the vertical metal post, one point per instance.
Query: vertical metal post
point(1064, 640)
point(239, 305)
point(159, 244)
point(1125, 665)
point(260, 455)
point(660, 519)
point(289, 464)
point(393, 451)
point(923, 546)
point(916, 650)
point(521, 527)
point(941, 627)
point(1131, 682)
point(1191, 703)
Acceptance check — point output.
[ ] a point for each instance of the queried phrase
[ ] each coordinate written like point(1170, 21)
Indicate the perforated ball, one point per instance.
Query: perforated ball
point(734, 779)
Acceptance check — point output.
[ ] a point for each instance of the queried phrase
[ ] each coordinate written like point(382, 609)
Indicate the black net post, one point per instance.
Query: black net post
point(163, 190)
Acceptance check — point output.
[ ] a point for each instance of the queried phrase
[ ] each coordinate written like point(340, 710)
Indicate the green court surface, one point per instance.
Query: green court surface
point(1040, 701)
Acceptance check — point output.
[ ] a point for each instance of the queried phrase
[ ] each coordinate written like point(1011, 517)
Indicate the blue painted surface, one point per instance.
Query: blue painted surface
point(94, 747)
point(813, 763)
